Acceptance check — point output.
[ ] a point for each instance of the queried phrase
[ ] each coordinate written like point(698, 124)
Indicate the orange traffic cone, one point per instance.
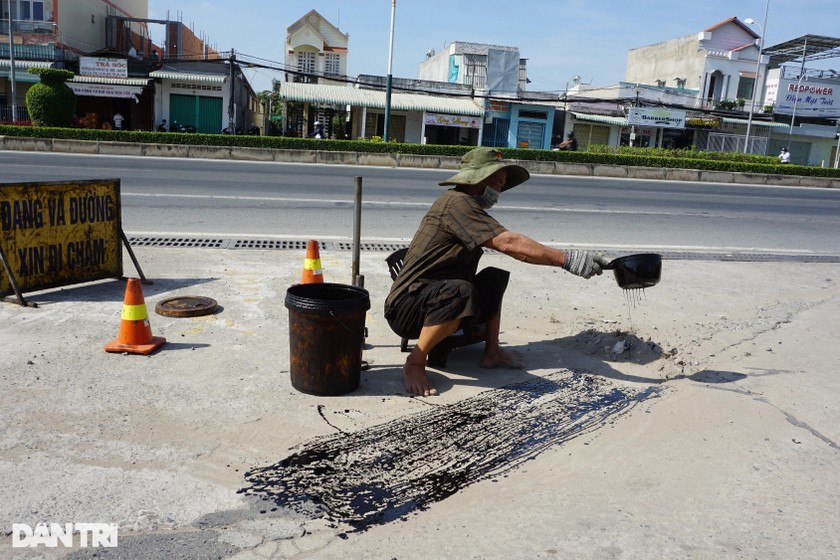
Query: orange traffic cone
point(312, 273)
point(135, 332)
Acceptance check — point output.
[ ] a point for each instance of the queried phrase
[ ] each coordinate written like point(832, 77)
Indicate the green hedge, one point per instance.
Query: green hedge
point(627, 156)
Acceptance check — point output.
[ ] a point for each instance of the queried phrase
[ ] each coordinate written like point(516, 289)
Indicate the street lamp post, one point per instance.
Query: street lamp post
point(390, 78)
point(755, 93)
point(574, 80)
point(798, 87)
point(793, 114)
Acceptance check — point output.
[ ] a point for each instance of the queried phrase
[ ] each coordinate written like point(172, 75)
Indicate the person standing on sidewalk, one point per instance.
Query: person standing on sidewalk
point(438, 287)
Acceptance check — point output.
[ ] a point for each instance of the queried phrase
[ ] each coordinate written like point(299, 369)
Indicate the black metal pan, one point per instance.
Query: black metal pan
point(636, 271)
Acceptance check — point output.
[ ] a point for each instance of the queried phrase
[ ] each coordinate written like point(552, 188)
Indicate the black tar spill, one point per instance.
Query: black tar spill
point(382, 473)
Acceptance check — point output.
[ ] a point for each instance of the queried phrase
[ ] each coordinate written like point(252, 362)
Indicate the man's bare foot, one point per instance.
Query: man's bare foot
point(416, 381)
point(502, 358)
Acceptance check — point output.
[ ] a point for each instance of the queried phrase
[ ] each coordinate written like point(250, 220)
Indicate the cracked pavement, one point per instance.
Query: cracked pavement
point(732, 452)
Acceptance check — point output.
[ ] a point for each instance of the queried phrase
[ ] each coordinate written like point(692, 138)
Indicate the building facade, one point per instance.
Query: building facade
point(118, 78)
point(317, 51)
point(711, 77)
point(47, 33)
point(489, 69)
point(719, 63)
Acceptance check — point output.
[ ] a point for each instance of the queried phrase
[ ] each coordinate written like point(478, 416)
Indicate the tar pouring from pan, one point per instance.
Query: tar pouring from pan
point(636, 271)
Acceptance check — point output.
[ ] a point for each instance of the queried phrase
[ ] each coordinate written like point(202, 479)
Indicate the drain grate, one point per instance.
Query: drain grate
point(268, 244)
point(281, 244)
point(178, 242)
point(300, 245)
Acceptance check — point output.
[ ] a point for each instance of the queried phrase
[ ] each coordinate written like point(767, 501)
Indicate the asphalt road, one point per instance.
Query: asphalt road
point(172, 196)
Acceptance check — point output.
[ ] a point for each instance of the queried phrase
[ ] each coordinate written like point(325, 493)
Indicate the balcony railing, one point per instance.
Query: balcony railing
point(25, 27)
point(22, 114)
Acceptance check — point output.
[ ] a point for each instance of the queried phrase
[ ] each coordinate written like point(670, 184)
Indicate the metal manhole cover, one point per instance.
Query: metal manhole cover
point(186, 306)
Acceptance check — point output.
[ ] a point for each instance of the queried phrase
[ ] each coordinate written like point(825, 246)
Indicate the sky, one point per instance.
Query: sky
point(560, 38)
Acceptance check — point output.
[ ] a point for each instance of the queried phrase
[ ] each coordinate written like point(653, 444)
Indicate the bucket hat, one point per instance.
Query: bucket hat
point(480, 163)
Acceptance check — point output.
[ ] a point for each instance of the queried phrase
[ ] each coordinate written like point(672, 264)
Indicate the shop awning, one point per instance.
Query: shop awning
point(111, 81)
point(375, 99)
point(21, 67)
point(744, 122)
point(188, 76)
point(603, 119)
point(25, 64)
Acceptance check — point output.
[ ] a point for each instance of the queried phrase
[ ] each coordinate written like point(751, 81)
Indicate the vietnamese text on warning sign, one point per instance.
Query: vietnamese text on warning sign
point(54, 234)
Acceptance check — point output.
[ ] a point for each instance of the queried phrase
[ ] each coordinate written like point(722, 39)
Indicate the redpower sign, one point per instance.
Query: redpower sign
point(806, 97)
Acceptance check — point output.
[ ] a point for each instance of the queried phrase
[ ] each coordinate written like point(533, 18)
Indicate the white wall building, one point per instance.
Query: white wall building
point(718, 62)
point(316, 50)
point(491, 69)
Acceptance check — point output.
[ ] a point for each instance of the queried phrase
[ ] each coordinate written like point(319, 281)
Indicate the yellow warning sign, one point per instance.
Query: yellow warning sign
point(59, 233)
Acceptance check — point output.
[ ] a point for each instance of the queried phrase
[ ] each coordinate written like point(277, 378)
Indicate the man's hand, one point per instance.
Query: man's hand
point(584, 263)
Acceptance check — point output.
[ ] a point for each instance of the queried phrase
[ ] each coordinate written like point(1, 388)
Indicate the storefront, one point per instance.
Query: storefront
point(103, 90)
point(600, 130)
point(514, 125)
point(450, 130)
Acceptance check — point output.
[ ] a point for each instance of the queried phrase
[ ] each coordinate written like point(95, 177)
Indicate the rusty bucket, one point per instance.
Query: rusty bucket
point(326, 337)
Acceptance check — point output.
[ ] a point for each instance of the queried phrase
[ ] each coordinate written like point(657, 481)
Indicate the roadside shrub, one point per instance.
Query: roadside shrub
point(623, 155)
point(51, 102)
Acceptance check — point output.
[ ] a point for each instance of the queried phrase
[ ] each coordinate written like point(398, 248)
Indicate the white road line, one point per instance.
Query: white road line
point(391, 203)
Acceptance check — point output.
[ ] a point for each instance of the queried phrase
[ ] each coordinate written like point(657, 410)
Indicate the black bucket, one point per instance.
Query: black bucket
point(326, 337)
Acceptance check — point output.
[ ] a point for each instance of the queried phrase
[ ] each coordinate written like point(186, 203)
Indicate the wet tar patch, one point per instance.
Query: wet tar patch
point(382, 473)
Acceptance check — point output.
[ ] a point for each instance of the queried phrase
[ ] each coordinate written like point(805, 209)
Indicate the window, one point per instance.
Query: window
point(745, 87)
point(332, 64)
point(31, 10)
point(306, 62)
point(476, 70)
point(306, 68)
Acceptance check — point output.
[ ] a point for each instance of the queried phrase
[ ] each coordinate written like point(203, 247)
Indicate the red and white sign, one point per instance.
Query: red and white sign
point(805, 97)
point(459, 121)
point(103, 67)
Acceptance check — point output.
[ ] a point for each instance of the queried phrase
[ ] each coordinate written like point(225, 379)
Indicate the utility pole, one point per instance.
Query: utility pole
point(837, 151)
point(12, 65)
point(798, 87)
point(231, 103)
point(387, 130)
point(633, 128)
point(756, 91)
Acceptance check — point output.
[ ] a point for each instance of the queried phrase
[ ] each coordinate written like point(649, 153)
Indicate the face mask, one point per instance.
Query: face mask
point(488, 198)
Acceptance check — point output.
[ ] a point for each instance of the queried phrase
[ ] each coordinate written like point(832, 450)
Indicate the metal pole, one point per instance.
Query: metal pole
point(798, 85)
point(387, 130)
point(358, 280)
point(232, 102)
point(837, 153)
point(12, 65)
point(633, 127)
point(757, 71)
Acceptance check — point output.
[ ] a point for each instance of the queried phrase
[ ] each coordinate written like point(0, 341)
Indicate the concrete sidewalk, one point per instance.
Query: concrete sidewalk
point(695, 420)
